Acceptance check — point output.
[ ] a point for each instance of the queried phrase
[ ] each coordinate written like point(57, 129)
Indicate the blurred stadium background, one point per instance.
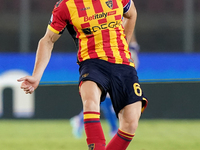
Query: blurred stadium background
point(168, 32)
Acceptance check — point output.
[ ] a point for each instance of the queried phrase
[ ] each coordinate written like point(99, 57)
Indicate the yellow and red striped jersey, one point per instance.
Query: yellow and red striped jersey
point(96, 27)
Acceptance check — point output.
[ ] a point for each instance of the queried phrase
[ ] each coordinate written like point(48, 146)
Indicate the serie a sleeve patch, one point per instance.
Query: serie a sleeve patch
point(127, 7)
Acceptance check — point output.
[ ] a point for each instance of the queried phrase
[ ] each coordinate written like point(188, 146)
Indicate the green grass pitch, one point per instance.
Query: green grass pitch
point(57, 135)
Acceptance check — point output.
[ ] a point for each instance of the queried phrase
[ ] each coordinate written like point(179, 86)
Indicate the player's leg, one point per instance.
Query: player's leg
point(107, 109)
point(90, 94)
point(129, 117)
point(128, 101)
point(128, 123)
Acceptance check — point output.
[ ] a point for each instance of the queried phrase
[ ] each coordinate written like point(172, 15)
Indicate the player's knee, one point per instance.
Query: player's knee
point(129, 126)
point(90, 105)
point(132, 126)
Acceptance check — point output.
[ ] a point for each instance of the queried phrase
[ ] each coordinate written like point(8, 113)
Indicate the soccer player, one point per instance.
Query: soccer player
point(105, 64)
point(106, 106)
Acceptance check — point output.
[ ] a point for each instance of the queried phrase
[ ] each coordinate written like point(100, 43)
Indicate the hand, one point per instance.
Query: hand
point(29, 84)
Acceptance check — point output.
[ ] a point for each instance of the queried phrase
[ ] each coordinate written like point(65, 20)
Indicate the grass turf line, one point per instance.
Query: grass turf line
point(57, 135)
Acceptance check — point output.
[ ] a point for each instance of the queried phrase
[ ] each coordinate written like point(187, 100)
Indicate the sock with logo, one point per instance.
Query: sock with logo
point(94, 131)
point(120, 141)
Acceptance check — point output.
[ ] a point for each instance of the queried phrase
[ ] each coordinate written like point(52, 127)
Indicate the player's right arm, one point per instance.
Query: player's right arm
point(45, 47)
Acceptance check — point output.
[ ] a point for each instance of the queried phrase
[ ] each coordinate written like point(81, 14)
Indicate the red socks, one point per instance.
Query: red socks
point(95, 135)
point(120, 141)
point(94, 131)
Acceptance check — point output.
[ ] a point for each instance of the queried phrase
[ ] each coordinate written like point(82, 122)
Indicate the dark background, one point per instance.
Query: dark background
point(160, 25)
point(166, 101)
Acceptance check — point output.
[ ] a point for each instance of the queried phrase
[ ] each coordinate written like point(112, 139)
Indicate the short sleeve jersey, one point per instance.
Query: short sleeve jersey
point(95, 26)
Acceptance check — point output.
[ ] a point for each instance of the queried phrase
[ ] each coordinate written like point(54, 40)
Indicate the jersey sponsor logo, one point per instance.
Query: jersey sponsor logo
point(103, 26)
point(95, 16)
point(98, 16)
point(111, 13)
point(87, 31)
point(109, 3)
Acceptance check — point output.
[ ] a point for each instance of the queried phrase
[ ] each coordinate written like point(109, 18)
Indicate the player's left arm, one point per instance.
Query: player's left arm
point(129, 21)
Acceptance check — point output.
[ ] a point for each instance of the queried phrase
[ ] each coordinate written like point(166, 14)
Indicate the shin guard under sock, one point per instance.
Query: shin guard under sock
point(94, 131)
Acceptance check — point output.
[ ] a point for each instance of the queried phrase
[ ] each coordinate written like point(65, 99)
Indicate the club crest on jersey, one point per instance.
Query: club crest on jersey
point(109, 3)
